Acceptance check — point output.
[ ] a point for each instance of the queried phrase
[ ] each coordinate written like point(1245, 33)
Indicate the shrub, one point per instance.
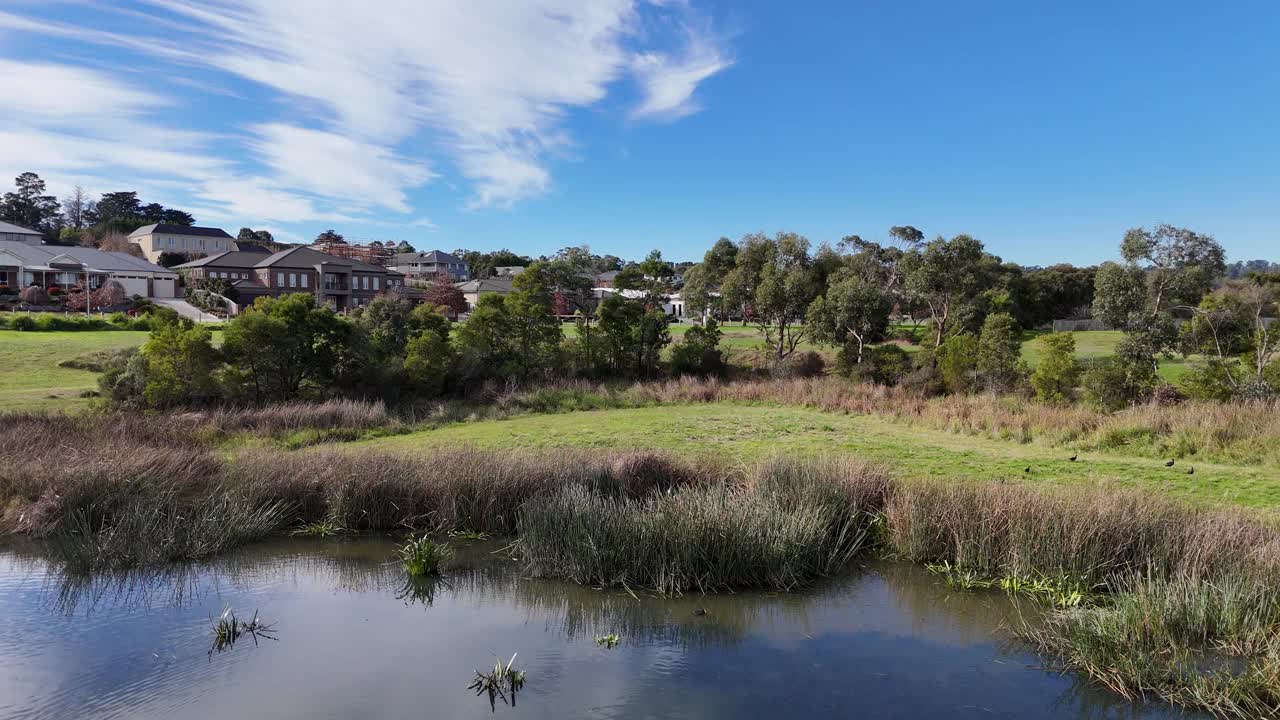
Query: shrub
point(803, 364)
point(54, 291)
point(23, 322)
point(34, 295)
point(1058, 373)
point(925, 381)
point(1128, 378)
point(699, 352)
point(958, 363)
point(882, 365)
point(1000, 352)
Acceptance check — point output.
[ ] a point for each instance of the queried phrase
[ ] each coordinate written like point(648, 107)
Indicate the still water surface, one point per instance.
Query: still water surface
point(355, 641)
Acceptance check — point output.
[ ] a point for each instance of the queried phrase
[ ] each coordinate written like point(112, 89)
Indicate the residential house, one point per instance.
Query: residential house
point(341, 283)
point(23, 264)
point(508, 270)
point(429, 265)
point(186, 240)
point(473, 289)
point(16, 233)
point(605, 279)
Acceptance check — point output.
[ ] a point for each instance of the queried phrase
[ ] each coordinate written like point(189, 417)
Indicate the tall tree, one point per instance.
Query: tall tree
point(29, 207)
point(1181, 264)
point(404, 247)
point(852, 313)
point(784, 289)
point(78, 209)
point(330, 236)
point(123, 204)
point(945, 274)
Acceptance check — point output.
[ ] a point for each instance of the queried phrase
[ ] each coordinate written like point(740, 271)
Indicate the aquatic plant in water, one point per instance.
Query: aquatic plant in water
point(504, 680)
point(328, 527)
point(227, 629)
point(423, 556)
point(608, 641)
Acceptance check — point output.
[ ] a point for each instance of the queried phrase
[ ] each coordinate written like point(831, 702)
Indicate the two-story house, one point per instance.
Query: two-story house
point(338, 282)
point(429, 265)
point(181, 240)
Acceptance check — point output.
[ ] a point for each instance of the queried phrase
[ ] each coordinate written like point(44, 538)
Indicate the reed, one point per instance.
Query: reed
point(778, 526)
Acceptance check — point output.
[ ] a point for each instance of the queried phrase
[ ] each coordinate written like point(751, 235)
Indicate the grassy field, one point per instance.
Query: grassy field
point(752, 431)
point(30, 378)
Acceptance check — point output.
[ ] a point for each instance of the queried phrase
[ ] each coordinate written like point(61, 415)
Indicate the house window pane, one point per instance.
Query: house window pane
point(279, 279)
point(304, 279)
point(375, 283)
point(293, 280)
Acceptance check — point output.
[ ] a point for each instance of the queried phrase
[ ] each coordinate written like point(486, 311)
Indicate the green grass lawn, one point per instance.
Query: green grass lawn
point(30, 378)
point(752, 431)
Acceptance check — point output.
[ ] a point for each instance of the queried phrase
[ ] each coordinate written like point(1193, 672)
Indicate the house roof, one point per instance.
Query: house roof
point(435, 256)
point(295, 257)
point(11, 229)
point(192, 230)
point(607, 275)
point(484, 285)
point(42, 255)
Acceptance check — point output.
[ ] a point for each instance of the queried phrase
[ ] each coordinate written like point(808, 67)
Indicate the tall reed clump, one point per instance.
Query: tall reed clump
point(1207, 645)
point(779, 525)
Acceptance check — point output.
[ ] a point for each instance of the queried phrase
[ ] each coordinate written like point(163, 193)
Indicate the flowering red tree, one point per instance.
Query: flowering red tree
point(442, 293)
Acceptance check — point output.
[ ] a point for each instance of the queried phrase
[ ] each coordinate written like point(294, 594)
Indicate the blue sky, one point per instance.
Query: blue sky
point(1044, 130)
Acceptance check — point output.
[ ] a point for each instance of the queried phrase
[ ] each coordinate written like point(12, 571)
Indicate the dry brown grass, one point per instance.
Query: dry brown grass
point(1240, 432)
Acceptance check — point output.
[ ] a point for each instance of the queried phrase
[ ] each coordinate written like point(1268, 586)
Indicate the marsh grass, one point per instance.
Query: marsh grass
point(609, 641)
point(502, 683)
point(424, 556)
point(779, 525)
point(1208, 645)
point(228, 629)
point(324, 527)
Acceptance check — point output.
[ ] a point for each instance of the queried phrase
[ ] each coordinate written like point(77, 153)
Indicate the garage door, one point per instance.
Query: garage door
point(133, 284)
point(163, 288)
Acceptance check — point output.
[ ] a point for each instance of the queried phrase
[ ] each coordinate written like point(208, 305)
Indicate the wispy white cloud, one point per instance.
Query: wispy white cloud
point(365, 95)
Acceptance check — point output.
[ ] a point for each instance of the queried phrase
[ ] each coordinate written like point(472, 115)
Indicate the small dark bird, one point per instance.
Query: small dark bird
point(700, 611)
point(1191, 471)
point(1027, 469)
point(1073, 458)
point(1169, 464)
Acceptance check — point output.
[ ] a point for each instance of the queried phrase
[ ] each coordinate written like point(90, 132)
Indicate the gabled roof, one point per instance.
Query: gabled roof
point(484, 285)
point(11, 229)
point(296, 257)
point(192, 230)
point(95, 259)
point(230, 258)
point(435, 256)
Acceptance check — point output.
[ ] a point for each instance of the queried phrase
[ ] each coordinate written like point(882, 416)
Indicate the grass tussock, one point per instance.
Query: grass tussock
point(779, 525)
point(1209, 645)
point(423, 556)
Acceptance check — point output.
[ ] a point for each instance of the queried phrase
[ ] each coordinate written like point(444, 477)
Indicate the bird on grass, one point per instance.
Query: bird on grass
point(1169, 464)
point(1027, 469)
point(700, 611)
point(1073, 457)
point(1191, 471)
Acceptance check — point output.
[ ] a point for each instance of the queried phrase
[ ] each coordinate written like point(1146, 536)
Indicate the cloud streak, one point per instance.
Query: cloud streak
point(364, 99)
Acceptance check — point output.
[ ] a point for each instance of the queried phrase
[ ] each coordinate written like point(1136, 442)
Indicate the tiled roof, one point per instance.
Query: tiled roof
point(94, 258)
point(192, 230)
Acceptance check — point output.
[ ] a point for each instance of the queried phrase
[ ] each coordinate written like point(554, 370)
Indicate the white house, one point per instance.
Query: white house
point(16, 233)
point(24, 264)
point(189, 240)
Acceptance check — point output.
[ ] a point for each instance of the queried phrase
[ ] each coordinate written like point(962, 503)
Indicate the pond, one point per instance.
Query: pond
point(353, 639)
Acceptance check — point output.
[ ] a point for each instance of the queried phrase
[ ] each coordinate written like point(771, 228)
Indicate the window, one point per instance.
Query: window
point(304, 279)
point(365, 282)
point(375, 283)
point(293, 279)
point(279, 279)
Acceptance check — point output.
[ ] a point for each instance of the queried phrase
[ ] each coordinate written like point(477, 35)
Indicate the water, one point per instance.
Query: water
point(354, 640)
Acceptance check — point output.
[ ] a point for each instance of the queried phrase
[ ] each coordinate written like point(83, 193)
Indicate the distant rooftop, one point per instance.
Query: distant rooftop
point(192, 230)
